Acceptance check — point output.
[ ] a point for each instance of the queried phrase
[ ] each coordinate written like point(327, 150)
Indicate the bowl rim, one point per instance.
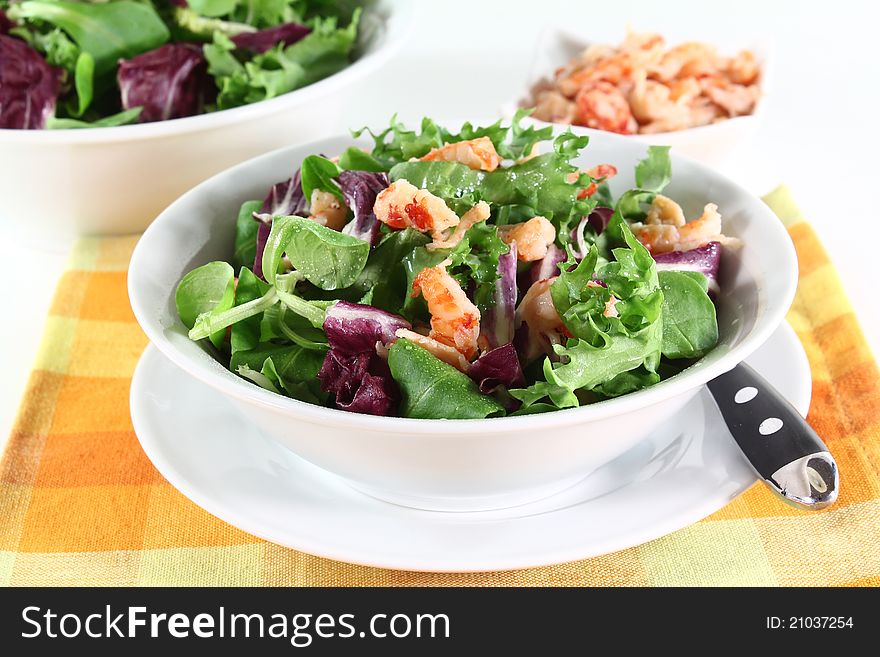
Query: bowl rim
point(397, 16)
point(786, 267)
point(764, 45)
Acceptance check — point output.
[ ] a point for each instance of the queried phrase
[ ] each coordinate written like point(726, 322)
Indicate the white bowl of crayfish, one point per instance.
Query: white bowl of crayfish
point(712, 143)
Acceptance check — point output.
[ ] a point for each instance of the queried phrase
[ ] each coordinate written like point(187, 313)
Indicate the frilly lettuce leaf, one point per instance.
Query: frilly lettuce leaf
point(604, 348)
point(398, 144)
point(281, 69)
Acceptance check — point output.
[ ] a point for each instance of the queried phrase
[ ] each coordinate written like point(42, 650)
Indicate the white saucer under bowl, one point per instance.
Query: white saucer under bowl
point(685, 471)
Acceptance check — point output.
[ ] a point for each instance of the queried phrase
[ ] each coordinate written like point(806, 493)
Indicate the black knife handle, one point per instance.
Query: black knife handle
point(782, 448)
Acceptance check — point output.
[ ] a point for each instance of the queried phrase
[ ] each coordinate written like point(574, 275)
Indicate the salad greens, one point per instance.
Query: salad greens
point(398, 313)
point(109, 63)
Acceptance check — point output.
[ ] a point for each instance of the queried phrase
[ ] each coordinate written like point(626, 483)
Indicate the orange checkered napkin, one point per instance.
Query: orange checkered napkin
point(81, 504)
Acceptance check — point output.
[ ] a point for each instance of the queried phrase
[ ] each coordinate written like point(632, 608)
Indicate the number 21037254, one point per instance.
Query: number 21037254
point(809, 623)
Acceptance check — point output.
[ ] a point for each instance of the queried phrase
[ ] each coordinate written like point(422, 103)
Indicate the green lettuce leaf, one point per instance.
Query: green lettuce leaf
point(604, 348)
point(655, 171)
point(430, 388)
point(324, 51)
point(690, 328)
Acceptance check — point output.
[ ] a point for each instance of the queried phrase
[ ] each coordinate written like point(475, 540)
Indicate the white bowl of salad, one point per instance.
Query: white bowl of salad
point(462, 319)
point(109, 111)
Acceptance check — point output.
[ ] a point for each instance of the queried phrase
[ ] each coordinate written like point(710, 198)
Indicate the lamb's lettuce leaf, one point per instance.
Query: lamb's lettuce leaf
point(432, 389)
point(107, 31)
point(690, 328)
point(325, 257)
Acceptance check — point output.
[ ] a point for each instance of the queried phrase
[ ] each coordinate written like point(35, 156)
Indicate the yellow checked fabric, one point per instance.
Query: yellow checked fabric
point(80, 504)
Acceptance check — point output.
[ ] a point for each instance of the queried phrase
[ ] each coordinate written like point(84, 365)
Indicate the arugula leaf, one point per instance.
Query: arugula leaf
point(122, 118)
point(540, 183)
point(290, 368)
point(318, 173)
point(325, 257)
point(213, 8)
point(108, 31)
point(354, 159)
point(278, 323)
point(655, 171)
point(512, 142)
point(84, 81)
point(432, 389)
point(245, 335)
point(206, 290)
point(59, 49)
point(246, 227)
point(404, 143)
point(311, 310)
point(690, 328)
point(386, 274)
point(193, 27)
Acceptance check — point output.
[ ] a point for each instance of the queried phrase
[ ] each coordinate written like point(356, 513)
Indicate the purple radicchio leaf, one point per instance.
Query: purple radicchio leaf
point(263, 40)
point(546, 267)
point(168, 82)
point(28, 86)
point(704, 259)
point(284, 199)
point(262, 237)
point(498, 320)
point(5, 23)
point(360, 189)
point(598, 219)
point(353, 327)
point(498, 366)
point(360, 383)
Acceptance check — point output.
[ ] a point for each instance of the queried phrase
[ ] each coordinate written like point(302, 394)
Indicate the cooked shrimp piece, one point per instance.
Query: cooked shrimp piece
point(455, 320)
point(402, 205)
point(604, 106)
point(480, 212)
point(684, 90)
point(685, 60)
point(612, 70)
point(478, 154)
point(665, 211)
point(743, 68)
point(327, 210)
point(643, 87)
point(650, 100)
point(667, 234)
point(553, 107)
point(442, 351)
point(735, 99)
point(700, 111)
point(532, 237)
point(544, 324)
point(605, 171)
point(647, 41)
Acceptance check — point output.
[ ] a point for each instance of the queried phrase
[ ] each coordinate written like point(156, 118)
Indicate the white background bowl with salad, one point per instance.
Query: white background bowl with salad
point(58, 184)
point(463, 464)
point(711, 144)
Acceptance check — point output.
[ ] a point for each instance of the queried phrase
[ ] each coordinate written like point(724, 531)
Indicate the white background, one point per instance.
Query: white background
point(466, 58)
